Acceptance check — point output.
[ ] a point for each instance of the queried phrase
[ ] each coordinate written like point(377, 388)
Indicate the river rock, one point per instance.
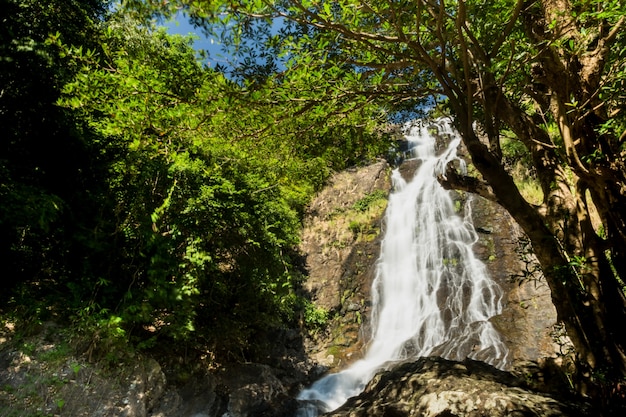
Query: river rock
point(434, 387)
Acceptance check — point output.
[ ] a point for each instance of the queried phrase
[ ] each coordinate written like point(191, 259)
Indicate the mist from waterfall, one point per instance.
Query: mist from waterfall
point(431, 295)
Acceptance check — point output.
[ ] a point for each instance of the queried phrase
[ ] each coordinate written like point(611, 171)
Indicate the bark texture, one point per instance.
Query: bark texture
point(582, 259)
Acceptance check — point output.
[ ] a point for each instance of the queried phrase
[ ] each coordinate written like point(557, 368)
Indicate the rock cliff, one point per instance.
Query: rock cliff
point(341, 266)
point(341, 242)
point(339, 280)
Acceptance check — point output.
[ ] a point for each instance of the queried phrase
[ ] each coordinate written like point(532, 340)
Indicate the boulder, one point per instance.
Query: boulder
point(434, 387)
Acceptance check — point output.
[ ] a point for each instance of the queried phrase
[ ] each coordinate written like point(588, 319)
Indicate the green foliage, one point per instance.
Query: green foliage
point(56, 354)
point(315, 318)
point(206, 221)
point(355, 227)
point(536, 88)
point(364, 211)
point(366, 202)
point(170, 208)
point(44, 158)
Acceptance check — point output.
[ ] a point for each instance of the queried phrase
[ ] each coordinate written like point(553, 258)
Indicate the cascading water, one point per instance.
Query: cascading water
point(431, 296)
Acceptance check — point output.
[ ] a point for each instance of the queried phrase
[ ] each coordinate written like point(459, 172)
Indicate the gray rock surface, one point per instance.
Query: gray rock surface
point(341, 269)
point(434, 387)
point(341, 246)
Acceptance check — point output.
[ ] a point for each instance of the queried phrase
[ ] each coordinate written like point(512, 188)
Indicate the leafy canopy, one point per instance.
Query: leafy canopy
point(189, 185)
point(542, 76)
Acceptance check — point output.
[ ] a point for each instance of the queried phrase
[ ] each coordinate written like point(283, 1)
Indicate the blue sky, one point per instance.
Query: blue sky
point(180, 25)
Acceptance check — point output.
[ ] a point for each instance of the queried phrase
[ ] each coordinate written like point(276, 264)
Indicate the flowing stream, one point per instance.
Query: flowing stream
point(431, 296)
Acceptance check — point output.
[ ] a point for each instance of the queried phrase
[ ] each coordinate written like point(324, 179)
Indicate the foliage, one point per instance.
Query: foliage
point(43, 157)
point(364, 212)
point(210, 206)
point(170, 207)
point(315, 317)
point(546, 75)
point(145, 188)
point(364, 203)
point(516, 158)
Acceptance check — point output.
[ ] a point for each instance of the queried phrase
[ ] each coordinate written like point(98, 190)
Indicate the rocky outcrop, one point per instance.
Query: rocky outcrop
point(434, 387)
point(341, 242)
point(48, 381)
point(38, 383)
point(528, 322)
point(342, 265)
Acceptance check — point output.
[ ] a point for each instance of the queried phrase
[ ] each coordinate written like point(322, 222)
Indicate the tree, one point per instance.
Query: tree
point(145, 195)
point(204, 191)
point(45, 160)
point(546, 74)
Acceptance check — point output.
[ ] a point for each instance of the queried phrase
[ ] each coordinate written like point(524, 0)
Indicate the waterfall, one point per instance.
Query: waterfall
point(431, 296)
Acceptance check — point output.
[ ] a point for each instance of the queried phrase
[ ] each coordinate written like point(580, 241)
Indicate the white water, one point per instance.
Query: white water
point(431, 296)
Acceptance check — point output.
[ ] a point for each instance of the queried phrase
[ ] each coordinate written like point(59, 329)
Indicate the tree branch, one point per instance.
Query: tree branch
point(508, 29)
point(453, 181)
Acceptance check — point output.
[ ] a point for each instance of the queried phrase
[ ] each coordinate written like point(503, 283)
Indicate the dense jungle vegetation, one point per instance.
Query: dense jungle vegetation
point(147, 196)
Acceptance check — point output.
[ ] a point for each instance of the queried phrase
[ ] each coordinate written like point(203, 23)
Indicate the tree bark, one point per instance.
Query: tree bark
point(583, 274)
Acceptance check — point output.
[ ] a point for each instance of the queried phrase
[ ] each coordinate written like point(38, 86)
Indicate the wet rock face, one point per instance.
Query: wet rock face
point(527, 322)
point(341, 277)
point(342, 267)
point(434, 387)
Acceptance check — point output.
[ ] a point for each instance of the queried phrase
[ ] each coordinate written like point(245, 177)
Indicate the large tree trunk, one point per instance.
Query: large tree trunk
point(582, 267)
point(588, 297)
